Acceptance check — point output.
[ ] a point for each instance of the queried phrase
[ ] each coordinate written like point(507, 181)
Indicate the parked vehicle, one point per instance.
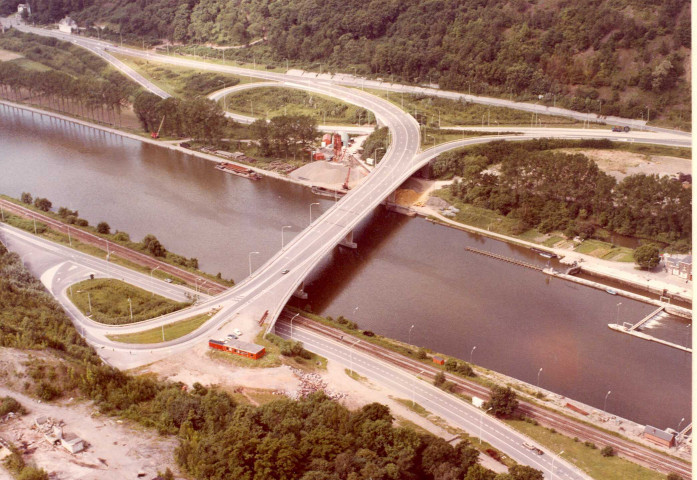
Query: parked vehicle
point(237, 332)
point(620, 129)
point(533, 448)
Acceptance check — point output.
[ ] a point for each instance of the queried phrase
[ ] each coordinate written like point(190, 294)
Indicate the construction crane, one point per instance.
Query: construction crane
point(157, 134)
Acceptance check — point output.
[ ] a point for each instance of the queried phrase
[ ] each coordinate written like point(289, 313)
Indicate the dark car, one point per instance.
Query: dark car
point(368, 333)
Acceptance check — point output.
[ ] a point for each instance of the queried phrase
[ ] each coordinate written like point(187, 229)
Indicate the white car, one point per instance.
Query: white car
point(237, 332)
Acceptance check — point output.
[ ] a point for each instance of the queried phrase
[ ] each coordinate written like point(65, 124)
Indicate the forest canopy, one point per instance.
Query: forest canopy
point(613, 58)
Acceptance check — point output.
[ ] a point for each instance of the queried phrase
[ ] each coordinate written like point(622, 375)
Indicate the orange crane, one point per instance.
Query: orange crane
point(157, 134)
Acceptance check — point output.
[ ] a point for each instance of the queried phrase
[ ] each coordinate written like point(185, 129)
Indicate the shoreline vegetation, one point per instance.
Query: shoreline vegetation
point(69, 219)
point(290, 438)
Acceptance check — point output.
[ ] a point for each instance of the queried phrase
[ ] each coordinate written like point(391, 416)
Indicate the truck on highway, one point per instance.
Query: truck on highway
point(620, 129)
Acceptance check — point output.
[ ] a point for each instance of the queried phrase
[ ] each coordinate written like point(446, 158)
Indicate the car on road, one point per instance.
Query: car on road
point(168, 280)
point(234, 337)
point(237, 332)
point(620, 129)
point(285, 271)
point(533, 448)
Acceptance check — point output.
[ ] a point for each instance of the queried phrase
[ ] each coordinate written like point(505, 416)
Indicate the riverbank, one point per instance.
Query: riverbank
point(613, 271)
point(160, 143)
point(621, 273)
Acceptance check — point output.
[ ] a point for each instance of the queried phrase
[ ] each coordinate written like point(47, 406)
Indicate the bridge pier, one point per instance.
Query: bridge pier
point(300, 292)
point(348, 241)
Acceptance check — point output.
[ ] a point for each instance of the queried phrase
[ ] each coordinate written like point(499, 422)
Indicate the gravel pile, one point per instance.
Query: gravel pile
point(310, 383)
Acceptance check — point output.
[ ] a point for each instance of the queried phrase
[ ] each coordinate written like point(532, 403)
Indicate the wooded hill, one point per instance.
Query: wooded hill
point(613, 57)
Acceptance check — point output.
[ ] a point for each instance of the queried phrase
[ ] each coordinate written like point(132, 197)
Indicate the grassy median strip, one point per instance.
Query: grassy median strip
point(585, 455)
point(159, 334)
point(114, 302)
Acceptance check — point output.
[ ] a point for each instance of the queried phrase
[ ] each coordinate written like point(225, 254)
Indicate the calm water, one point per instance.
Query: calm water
point(405, 271)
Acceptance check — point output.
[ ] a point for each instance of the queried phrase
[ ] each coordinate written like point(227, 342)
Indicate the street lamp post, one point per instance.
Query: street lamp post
point(291, 324)
point(130, 307)
point(89, 300)
point(351, 353)
point(311, 211)
point(617, 318)
point(473, 349)
point(70, 239)
point(605, 402)
point(250, 261)
point(282, 241)
point(410, 329)
point(538, 377)
point(680, 424)
point(434, 140)
point(480, 424)
point(152, 281)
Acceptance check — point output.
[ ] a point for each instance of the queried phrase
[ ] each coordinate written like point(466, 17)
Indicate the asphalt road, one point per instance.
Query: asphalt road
point(455, 411)
point(268, 289)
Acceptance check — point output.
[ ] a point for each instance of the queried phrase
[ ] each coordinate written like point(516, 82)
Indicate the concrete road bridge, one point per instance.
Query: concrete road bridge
point(269, 287)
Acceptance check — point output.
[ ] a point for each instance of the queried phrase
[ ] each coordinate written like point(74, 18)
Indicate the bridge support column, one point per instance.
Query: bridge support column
point(348, 241)
point(300, 292)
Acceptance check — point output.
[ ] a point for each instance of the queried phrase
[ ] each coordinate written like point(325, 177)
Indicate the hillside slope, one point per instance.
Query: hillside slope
point(615, 57)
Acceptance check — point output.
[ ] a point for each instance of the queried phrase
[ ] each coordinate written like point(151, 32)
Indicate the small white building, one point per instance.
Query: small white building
point(24, 7)
point(67, 25)
point(72, 443)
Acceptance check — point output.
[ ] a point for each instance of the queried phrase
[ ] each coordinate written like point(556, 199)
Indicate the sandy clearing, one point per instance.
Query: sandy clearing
point(6, 55)
point(328, 174)
point(117, 449)
point(620, 164)
point(195, 366)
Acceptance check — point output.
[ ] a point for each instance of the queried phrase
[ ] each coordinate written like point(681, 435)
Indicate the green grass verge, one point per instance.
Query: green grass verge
point(170, 332)
point(30, 65)
point(355, 376)
point(275, 101)
point(433, 136)
point(182, 81)
point(457, 113)
point(586, 458)
point(414, 407)
point(109, 300)
point(605, 250)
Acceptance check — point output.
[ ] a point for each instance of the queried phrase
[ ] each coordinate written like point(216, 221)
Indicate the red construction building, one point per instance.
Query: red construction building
point(238, 347)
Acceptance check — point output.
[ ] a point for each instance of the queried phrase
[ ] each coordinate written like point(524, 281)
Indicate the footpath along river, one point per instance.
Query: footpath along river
point(406, 271)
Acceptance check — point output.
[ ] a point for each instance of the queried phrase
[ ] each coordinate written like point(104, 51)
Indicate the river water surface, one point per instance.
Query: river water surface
point(405, 271)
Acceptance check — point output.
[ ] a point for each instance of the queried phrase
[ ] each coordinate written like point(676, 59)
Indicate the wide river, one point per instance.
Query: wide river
point(406, 271)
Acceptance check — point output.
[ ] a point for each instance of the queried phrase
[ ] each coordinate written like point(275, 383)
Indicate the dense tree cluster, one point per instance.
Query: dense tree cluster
point(549, 191)
point(284, 135)
point(197, 117)
point(309, 439)
point(74, 77)
point(571, 49)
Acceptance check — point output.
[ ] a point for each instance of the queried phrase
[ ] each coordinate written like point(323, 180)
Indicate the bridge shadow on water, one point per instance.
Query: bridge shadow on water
point(343, 264)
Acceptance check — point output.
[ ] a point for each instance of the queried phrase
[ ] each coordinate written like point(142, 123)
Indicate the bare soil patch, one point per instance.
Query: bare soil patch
point(117, 449)
point(6, 56)
point(620, 164)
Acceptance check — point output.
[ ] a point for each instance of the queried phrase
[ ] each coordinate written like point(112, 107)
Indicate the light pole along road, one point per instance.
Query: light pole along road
point(452, 409)
point(270, 288)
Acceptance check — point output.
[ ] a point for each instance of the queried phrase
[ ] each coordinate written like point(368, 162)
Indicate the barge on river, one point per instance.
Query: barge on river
point(238, 170)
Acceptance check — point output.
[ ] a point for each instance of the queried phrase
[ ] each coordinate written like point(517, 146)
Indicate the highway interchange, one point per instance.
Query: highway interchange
point(268, 289)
